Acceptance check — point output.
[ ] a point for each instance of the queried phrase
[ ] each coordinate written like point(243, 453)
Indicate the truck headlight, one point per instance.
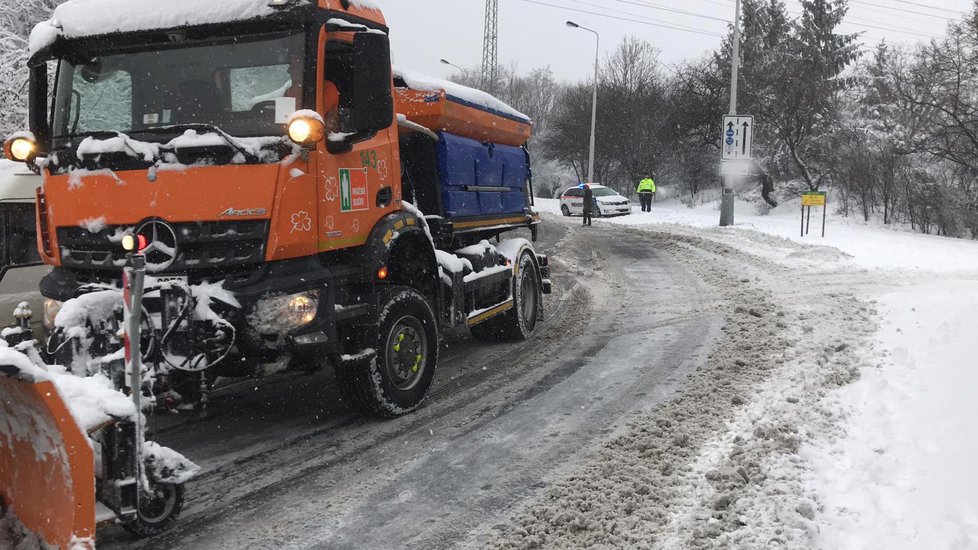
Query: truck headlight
point(51, 310)
point(284, 312)
point(302, 308)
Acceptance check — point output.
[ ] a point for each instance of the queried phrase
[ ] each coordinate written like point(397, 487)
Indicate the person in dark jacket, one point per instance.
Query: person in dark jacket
point(588, 204)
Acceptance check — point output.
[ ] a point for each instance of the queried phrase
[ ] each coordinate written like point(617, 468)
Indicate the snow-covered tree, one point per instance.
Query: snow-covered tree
point(16, 21)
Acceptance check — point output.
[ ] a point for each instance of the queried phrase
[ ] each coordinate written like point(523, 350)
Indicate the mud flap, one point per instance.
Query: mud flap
point(47, 466)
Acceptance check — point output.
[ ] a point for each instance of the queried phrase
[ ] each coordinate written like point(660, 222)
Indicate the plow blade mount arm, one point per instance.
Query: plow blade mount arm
point(47, 468)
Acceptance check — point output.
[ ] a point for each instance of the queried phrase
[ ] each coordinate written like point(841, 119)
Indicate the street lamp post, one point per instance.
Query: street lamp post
point(447, 62)
point(594, 100)
point(727, 196)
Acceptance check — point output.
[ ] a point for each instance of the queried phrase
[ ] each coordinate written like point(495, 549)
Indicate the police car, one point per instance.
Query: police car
point(609, 202)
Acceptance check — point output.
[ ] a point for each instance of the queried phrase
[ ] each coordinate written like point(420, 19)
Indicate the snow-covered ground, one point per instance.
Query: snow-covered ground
point(869, 245)
point(864, 436)
point(902, 476)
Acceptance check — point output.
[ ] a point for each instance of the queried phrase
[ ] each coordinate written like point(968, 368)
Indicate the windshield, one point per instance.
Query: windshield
point(244, 88)
point(604, 192)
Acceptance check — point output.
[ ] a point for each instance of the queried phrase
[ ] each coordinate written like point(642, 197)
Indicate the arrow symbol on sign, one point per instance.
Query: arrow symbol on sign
point(743, 139)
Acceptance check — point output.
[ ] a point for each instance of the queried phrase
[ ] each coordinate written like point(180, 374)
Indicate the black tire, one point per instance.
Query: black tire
point(519, 322)
point(157, 513)
point(564, 210)
point(396, 380)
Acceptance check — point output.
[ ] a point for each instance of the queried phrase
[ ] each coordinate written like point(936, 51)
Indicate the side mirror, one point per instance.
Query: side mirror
point(373, 101)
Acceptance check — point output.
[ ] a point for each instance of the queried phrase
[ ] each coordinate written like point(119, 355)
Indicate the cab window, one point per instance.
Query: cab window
point(19, 243)
point(338, 89)
point(357, 93)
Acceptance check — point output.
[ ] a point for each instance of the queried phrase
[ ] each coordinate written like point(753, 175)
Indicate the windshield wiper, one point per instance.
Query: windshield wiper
point(102, 135)
point(249, 156)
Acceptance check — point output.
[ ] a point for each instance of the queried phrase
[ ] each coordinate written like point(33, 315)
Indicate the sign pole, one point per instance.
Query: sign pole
point(825, 209)
point(802, 219)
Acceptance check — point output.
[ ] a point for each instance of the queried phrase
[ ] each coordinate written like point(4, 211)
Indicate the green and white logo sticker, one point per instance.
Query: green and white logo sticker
point(353, 189)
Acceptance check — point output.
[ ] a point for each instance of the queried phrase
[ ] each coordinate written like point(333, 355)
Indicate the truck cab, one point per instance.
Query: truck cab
point(270, 165)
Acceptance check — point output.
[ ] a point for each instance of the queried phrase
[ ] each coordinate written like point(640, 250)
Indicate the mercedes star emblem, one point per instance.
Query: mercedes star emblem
point(161, 245)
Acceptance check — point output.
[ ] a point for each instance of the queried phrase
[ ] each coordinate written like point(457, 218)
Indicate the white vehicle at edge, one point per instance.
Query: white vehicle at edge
point(608, 201)
point(20, 267)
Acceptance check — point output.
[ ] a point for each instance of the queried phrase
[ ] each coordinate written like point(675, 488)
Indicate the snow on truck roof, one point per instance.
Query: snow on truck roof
point(83, 18)
point(423, 82)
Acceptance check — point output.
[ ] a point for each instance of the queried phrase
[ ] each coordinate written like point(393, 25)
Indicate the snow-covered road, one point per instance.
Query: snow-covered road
point(287, 466)
point(692, 387)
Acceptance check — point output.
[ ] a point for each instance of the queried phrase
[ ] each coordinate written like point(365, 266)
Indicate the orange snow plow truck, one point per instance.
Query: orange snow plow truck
point(299, 202)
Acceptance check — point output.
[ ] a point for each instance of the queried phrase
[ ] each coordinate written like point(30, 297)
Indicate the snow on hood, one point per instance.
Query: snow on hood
point(81, 18)
point(423, 82)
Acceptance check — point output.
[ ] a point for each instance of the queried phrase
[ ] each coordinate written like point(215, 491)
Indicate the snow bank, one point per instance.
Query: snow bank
point(900, 478)
point(419, 81)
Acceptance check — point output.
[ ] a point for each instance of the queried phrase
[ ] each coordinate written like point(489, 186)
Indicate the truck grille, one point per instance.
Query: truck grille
point(200, 246)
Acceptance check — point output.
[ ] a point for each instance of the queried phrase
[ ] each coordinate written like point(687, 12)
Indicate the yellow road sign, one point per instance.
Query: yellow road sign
point(813, 199)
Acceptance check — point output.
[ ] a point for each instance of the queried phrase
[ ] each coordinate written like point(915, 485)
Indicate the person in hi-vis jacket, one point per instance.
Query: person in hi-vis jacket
point(646, 193)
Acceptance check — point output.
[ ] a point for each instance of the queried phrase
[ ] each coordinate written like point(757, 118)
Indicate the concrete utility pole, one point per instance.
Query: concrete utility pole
point(490, 47)
point(727, 198)
point(594, 99)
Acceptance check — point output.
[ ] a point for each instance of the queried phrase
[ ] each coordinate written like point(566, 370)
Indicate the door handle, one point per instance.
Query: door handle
point(384, 197)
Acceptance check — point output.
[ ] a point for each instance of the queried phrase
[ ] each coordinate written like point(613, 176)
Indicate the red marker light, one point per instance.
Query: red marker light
point(143, 243)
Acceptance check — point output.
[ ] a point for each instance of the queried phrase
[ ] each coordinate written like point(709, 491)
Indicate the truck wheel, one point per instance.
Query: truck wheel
point(517, 323)
point(397, 379)
point(564, 210)
point(158, 510)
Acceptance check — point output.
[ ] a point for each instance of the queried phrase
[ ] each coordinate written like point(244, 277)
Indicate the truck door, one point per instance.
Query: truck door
point(359, 164)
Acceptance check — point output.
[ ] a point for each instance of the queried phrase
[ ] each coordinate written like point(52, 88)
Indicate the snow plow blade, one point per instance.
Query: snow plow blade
point(47, 468)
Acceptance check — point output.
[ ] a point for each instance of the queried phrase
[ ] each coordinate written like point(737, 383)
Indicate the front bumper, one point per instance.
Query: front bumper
point(615, 210)
point(275, 279)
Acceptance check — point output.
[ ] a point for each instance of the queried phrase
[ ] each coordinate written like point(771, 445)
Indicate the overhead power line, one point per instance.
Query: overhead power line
point(935, 8)
point(631, 20)
point(902, 10)
point(645, 18)
point(650, 5)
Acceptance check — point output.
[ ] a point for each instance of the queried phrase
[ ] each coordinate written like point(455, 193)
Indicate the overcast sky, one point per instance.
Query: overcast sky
point(533, 35)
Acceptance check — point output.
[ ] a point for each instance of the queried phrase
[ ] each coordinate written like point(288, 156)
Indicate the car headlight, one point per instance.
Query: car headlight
point(51, 310)
point(284, 312)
